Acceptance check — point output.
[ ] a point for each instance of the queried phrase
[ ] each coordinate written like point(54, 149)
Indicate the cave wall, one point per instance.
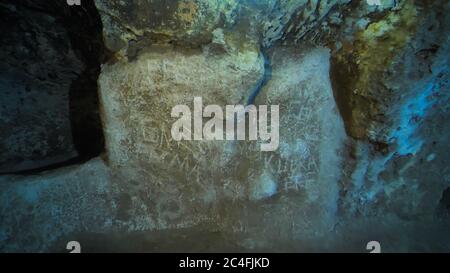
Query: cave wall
point(363, 95)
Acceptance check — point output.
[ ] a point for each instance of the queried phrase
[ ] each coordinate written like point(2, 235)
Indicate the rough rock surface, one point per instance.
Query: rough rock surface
point(363, 95)
point(391, 81)
point(205, 176)
point(130, 26)
point(155, 183)
point(35, 85)
point(54, 205)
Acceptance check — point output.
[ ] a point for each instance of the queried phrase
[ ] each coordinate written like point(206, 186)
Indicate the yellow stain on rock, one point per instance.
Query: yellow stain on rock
point(187, 12)
point(363, 62)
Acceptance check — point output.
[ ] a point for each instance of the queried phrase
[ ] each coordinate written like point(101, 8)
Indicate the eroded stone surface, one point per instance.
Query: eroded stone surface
point(131, 26)
point(36, 211)
point(379, 172)
point(156, 183)
point(391, 81)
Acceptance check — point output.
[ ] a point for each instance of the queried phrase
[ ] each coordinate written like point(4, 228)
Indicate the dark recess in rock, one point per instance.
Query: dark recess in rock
point(444, 204)
point(50, 62)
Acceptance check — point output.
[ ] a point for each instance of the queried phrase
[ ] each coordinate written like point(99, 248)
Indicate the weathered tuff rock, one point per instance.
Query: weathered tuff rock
point(130, 26)
point(207, 175)
point(391, 82)
point(36, 211)
point(154, 183)
point(369, 163)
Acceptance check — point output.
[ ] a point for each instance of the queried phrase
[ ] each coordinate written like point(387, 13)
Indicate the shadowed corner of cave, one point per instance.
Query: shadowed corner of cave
point(86, 125)
point(64, 29)
point(444, 204)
